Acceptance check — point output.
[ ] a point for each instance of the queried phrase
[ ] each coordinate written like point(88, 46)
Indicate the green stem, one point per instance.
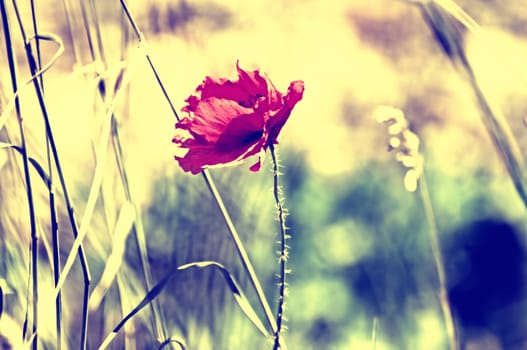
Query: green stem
point(56, 252)
point(439, 16)
point(40, 97)
point(51, 196)
point(283, 249)
point(85, 21)
point(75, 49)
point(141, 39)
point(97, 29)
point(159, 321)
point(27, 178)
point(37, 41)
point(374, 333)
point(439, 263)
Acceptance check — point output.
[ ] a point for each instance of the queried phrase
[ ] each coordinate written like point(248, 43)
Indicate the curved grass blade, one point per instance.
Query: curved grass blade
point(1, 300)
point(170, 341)
point(40, 170)
point(240, 298)
point(60, 50)
point(123, 227)
point(100, 166)
point(447, 21)
point(445, 18)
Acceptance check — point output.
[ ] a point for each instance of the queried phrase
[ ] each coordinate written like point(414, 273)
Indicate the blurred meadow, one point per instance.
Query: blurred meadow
point(363, 249)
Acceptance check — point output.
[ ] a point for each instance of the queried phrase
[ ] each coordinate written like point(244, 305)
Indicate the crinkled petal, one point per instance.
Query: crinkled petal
point(253, 82)
point(220, 132)
point(249, 87)
point(192, 102)
point(278, 118)
point(256, 166)
point(212, 116)
point(225, 89)
point(229, 121)
point(202, 155)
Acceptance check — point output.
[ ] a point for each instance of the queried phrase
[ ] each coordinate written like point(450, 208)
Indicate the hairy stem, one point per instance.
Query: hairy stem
point(284, 254)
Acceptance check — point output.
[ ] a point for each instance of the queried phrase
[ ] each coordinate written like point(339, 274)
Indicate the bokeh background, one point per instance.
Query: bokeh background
point(360, 255)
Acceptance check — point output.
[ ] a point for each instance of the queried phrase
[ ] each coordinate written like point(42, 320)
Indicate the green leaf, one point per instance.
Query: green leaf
point(40, 170)
point(240, 298)
point(114, 261)
point(172, 340)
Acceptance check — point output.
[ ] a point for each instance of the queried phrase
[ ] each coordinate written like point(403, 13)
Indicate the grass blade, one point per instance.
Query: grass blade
point(27, 177)
point(95, 187)
point(171, 341)
point(240, 298)
point(122, 229)
point(238, 295)
point(49, 134)
point(444, 18)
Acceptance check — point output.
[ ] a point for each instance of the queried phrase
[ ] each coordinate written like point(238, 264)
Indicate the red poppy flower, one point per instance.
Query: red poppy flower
point(229, 121)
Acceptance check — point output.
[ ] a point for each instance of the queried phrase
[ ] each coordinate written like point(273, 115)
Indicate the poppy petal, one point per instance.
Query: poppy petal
point(277, 121)
point(229, 121)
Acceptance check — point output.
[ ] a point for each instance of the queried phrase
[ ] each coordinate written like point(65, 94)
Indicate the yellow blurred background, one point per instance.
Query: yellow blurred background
point(343, 189)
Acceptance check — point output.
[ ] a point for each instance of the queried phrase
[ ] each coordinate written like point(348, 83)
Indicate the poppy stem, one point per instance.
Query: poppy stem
point(284, 253)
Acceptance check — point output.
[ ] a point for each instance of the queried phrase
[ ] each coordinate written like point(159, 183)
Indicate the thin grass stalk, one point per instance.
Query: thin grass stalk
point(439, 263)
point(55, 237)
point(55, 242)
point(284, 251)
point(142, 41)
point(97, 52)
point(244, 257)
point(60, 174)
point(502, 137)
point(96, 28)
point(125, 36)
point(92, 195)
point(374, 333)
point(159, 322)
point(212, 188)
point(440, 16)
point(27, 178)
point(123, 295)
point(76, 50)
point(124, 303)
point(87, 29)
point(51, 197)
point(37, 41)
point(139, 233)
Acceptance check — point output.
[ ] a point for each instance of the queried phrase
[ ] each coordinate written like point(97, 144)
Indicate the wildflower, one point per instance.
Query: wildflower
point(405, 143)
point(229, 121)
